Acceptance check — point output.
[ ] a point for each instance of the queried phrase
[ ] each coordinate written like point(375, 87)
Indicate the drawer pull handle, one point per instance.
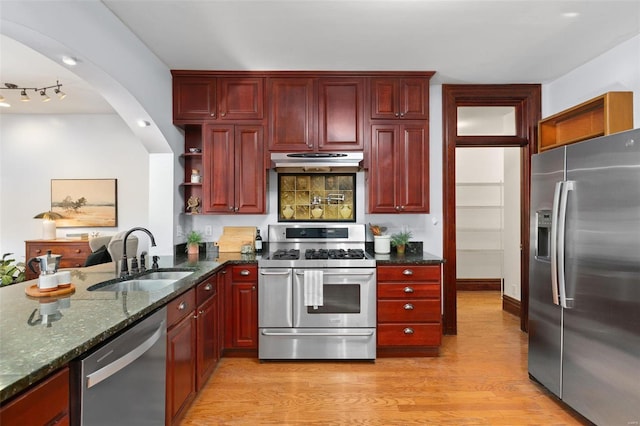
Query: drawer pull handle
point(407, 272)
point(208, 287)
point(408, 330)
point(408, 307)
point(182, 306)
point(245, 272)
point(408, 289)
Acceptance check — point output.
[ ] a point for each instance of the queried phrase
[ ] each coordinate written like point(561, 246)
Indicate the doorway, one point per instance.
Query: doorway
point(524, 101)
point(488, 223)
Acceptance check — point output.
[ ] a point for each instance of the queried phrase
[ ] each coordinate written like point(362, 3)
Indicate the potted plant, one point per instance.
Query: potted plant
point(400, 241)
point(193, 242)
point(11, 272)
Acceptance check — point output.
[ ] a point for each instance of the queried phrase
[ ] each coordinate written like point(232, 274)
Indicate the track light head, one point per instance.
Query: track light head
point(61, 95)
point(24, 97)
point(45, 97)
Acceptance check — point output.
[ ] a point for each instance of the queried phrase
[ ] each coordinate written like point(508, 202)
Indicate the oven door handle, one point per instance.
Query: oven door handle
point(288, 334)
point(275, 272)
point(342, 273)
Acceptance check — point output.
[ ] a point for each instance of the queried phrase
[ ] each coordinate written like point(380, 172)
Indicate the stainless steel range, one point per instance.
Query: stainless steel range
point(317, 293)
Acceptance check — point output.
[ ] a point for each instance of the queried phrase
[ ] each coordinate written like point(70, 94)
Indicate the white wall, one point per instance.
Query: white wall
point(616, 70)
point(38, 148)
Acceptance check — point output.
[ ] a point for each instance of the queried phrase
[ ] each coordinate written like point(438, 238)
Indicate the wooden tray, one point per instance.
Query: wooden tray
point(34, 291)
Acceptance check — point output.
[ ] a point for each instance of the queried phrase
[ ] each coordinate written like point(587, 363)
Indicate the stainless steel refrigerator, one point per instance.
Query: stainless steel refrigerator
point(584, 297)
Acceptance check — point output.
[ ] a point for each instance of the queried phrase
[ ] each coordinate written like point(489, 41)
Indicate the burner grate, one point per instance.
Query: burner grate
point(282, 254)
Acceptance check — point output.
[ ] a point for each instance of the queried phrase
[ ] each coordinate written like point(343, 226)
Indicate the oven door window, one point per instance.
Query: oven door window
point(338, 299)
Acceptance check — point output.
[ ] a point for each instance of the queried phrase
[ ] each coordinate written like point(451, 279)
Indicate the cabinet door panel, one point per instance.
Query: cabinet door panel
point(218, 157)
point(181, 367)
point(341, 112)
point(249, 169)
point(384, 93)
point(292, 112)
point(245, 327)
point(241, 99)
point(383, 169)
point(207, 340)
point(194, 98)
point(414, 168)
point(414, 98)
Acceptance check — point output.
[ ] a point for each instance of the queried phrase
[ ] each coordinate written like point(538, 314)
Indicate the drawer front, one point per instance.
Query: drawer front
point(408, 310)
point(409, 334)
point(244, 273)
point(409, 273)
point(180, 307)
point(205, 290)
point(70, 250)
point(408, 290)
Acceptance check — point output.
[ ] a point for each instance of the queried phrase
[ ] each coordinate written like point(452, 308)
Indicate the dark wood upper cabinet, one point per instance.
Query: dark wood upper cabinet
point(340, 114)
point(198, 97)
point(233, 159)
point(241, 98)
point(400, 98)
point(399, 182)
point(194, 98)
point(292, 112)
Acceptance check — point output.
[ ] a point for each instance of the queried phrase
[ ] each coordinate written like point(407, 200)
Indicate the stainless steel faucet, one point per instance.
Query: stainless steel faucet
point(124, 267)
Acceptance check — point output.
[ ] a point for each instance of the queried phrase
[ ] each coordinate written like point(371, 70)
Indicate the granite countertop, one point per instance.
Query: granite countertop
point(31, 350)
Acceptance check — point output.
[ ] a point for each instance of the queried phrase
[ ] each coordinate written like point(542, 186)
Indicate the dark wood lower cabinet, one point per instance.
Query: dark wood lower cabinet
point(46, 403)
point(181, 356)
point(409, 310)
point(241, 318)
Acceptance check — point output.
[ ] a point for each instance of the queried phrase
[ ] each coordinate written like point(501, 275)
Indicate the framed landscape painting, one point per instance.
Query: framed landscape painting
point(85, 202)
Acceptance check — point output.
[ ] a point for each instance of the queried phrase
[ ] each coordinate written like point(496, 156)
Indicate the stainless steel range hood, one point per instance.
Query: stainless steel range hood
point(317, 162)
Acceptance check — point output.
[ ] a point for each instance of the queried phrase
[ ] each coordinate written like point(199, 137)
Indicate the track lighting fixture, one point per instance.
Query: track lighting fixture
point(24, 97)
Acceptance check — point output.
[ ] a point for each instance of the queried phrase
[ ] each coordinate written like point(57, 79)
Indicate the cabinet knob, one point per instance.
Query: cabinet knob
point(407, 272)
point(231, 208)
point(235, 209)
point(408, 307)
point(245, 272)
point(222, 114)
point(397, 208)
point(208, 287)
point(408, 289)
point(253, 287)
point(396, 114)
point(408, 330)
point(200, 312)
point(401, 114)
point(78, 250)
point(213, 114)
point(182, 306)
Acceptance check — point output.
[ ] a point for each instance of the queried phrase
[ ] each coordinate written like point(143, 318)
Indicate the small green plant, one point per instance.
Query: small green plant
point(11, 272)
point(194, 238)
point(401, 239)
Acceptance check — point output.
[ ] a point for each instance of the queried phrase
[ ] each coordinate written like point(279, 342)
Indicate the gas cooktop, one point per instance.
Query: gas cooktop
point(317, 246)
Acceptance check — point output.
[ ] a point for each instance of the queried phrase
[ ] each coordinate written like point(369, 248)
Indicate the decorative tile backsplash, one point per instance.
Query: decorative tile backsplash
point(316, 197)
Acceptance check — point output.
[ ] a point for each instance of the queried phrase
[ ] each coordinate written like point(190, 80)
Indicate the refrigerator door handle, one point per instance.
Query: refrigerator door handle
point(562, 221)
point(554, 242)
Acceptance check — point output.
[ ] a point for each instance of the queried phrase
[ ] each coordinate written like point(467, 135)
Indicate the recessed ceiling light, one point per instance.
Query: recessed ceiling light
point(69, 60)
point(570, 14)
point(143, 123)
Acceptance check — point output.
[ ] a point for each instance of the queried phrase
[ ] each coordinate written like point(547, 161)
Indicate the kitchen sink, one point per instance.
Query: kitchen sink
point(150, 282)
point(136, 285)
point(165, 275)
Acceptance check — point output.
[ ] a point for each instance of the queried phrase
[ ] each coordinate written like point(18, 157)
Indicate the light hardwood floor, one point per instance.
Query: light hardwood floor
point(480, 378)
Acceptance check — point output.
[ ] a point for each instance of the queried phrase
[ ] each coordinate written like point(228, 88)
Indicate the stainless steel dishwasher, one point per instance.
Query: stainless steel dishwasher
point(123, 382)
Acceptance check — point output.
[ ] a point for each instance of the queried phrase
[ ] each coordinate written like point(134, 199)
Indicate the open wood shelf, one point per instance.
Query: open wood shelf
point(609, 113)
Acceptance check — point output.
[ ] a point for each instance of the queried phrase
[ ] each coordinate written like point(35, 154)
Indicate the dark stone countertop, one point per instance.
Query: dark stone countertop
point(31, 350)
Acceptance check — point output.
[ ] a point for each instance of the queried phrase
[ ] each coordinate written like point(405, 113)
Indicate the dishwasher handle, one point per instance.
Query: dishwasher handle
point(120, 363)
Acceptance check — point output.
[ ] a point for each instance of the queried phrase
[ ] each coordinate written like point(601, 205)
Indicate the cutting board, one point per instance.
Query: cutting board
point(233, 236)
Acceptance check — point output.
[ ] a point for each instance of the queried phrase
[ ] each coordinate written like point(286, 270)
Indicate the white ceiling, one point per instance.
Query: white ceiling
point(464, 41)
